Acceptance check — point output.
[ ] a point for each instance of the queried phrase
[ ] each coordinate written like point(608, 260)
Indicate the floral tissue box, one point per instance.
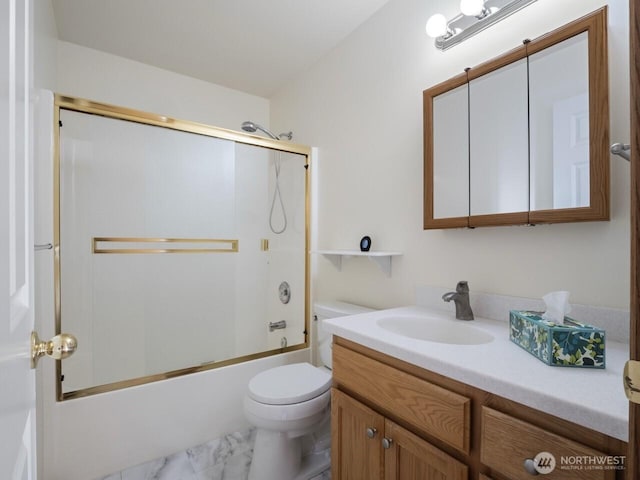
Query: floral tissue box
point(568, 344)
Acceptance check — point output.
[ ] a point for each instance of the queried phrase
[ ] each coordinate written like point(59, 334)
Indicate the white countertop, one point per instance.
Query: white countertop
point(591, 397)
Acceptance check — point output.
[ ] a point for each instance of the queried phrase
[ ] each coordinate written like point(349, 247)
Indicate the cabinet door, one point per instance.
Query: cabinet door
point(356, 435)
point(499, 143)
point(507, 442)
point(446, 154)
point(559, 125)
point(409, 457)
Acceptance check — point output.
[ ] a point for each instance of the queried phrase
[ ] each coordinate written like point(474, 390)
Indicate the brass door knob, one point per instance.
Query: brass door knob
point(59, 347)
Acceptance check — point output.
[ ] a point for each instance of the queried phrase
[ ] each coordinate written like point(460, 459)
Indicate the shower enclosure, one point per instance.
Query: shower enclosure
point(166, 259)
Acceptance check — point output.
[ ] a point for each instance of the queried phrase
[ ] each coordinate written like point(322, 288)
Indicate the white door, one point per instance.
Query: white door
point(571, 152)
point(17, 380)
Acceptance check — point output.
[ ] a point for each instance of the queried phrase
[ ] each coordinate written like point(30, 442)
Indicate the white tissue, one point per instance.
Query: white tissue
point(557, 306)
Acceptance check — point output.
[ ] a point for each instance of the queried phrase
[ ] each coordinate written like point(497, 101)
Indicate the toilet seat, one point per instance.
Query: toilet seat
point(289, 384)
point(278, 417)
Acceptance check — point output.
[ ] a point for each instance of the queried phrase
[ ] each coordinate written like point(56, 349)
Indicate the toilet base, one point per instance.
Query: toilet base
point(276, 456)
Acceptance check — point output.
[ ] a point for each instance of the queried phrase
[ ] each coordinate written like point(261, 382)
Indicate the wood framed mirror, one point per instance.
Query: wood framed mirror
point(531, 142)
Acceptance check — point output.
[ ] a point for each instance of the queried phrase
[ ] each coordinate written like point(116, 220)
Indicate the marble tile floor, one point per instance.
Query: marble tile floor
point(225, 458)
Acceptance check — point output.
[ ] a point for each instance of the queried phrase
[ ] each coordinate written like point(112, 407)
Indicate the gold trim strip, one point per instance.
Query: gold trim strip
point(85, 392)
point(57, 295)
point(122, 113)
point(231, 245)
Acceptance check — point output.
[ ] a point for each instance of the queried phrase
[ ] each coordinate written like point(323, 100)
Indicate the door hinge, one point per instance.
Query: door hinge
point(631, 380)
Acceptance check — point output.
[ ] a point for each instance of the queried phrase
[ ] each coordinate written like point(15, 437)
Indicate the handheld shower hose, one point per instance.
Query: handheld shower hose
point(252, 127)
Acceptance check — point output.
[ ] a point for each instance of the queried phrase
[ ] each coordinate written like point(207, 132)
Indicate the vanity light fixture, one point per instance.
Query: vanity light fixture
point(475, 16)
point(474, 8)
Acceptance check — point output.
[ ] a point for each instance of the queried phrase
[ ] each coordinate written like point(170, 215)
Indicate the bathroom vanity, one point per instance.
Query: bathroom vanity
point(403, 408)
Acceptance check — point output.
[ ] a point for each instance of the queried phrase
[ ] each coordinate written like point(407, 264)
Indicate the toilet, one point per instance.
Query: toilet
point(290, 408)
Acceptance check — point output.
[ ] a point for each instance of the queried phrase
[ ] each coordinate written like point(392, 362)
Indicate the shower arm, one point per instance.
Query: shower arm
point(268, 132)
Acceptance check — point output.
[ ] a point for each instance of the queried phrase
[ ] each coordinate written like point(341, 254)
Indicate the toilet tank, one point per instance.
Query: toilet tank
point(332, 309)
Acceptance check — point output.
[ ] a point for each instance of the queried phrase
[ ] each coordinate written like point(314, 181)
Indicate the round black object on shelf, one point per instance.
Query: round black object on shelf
point(365, 244)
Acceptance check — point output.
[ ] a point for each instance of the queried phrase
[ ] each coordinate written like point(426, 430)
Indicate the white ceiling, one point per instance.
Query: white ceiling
point(254, 46)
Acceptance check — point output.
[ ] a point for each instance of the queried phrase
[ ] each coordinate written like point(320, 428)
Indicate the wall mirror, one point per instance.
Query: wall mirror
point(165, 261)
point(522, 138)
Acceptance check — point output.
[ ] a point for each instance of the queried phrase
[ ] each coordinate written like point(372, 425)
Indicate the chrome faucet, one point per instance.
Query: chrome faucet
point(461, 299)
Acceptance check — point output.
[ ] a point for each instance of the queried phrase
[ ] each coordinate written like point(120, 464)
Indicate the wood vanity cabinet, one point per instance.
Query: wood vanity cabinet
point(369, 446)
point(391, 420)
point(356, 429)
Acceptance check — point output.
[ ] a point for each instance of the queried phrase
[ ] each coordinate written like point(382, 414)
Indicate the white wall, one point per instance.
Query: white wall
point(94, 436)
point(102, 77)
point(45, 45)
point(362, 106)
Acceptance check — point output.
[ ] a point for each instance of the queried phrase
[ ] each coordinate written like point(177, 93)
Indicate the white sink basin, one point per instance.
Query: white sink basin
point(454, 332)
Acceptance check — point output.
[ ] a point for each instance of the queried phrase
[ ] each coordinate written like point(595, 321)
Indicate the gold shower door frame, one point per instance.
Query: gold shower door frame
point(185, 245)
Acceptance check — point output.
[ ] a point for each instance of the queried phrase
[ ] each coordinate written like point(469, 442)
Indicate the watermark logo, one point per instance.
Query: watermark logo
point(593, 462)
point(544, 463)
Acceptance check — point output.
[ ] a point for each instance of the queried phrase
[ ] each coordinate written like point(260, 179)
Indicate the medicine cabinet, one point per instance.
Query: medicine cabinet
point(522, 138)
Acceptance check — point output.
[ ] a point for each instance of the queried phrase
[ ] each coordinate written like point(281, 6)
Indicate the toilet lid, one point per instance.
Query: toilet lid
point(288, 384)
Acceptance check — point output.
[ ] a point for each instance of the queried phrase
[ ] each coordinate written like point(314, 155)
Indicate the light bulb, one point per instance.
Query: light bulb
point(472, 8)
point(436, 25)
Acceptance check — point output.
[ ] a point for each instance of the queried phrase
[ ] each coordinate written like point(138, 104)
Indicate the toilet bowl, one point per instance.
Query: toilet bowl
point(290, 403)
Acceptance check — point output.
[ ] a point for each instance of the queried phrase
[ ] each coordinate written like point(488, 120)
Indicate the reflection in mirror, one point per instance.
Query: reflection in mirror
point(499, 141)
point(559, 90)
point(163, 260)
point(451, 142)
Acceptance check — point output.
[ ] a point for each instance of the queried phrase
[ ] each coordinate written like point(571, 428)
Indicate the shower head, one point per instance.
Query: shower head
point(252, 127)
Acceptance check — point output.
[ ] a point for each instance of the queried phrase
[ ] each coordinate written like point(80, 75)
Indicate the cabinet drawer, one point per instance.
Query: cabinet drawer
point(507, 442)
point(432, 409)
